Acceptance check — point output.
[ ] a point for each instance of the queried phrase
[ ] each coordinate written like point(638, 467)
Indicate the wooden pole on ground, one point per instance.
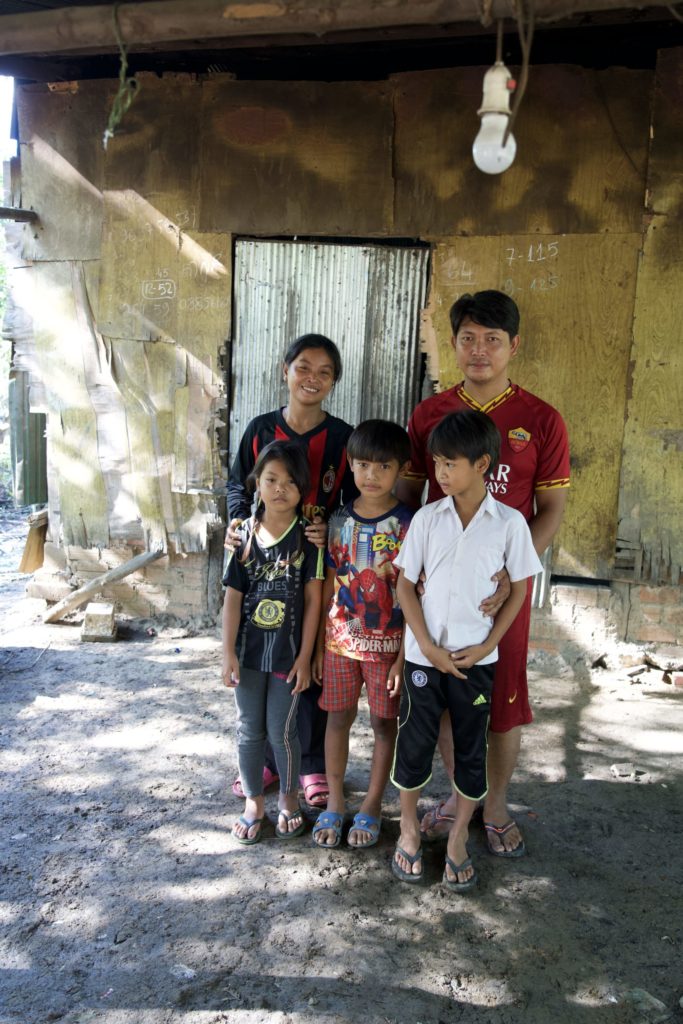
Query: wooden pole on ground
point(80, 596)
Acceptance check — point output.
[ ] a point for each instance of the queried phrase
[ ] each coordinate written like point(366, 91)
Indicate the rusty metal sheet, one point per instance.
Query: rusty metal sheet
point(366, 298)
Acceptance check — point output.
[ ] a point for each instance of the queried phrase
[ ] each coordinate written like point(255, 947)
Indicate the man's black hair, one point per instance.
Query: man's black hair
point(299, 345)
point(467, 434)
point(379, 441)
point(488, 309)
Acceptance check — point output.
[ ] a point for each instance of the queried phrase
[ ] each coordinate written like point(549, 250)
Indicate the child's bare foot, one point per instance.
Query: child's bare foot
point(290, 819)
point(407, 860)
point(366, 825)
point(247, 828)
point(457, 854)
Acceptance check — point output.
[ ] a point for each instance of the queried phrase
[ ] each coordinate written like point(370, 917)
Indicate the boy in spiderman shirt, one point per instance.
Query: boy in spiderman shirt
point(360, 640)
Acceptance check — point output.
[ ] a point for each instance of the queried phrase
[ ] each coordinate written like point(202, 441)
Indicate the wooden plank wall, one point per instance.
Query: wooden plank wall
point(196, 163)
point(651, 500)
point(575, 294)
point(131, 306)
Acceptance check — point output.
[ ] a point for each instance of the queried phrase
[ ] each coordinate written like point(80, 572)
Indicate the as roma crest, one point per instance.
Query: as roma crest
point(518, 438)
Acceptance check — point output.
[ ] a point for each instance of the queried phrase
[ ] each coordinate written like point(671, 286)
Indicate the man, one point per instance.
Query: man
point(532, 476)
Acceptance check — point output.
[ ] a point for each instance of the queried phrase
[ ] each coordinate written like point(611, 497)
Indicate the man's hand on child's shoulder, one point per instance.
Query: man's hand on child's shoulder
point(316, 532)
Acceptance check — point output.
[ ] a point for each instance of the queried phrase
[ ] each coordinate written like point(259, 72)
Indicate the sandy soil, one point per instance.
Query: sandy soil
point(125, 900)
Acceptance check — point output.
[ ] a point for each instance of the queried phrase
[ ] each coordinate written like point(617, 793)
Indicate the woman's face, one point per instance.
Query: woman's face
point(310, 377)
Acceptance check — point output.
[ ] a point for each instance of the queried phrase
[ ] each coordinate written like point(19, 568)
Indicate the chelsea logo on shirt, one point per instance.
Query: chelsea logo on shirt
point(269, 614)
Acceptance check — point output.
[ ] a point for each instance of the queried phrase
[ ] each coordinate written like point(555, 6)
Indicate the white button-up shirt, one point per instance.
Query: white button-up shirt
point(458, 566)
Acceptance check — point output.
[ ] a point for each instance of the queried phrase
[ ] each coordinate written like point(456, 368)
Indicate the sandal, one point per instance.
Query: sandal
point(247, 840)
point(452, 883)
point(269, 779)
point(316, 790)
point(500, 831)
point(406, 876)
point(431, 820)
point(365, 823)
point(286, 833)
point(328, 821)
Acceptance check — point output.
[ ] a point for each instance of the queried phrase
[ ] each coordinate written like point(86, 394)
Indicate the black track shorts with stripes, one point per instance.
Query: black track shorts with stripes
point(426, 694)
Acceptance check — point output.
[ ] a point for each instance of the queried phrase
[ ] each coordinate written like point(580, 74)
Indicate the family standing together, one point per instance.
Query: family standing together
point(337, 579)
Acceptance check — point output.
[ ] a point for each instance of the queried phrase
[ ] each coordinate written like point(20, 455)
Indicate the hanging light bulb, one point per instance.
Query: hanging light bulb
point(488, 151)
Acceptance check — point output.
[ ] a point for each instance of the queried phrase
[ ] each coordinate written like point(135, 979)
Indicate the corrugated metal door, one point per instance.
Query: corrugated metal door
point(366, 298)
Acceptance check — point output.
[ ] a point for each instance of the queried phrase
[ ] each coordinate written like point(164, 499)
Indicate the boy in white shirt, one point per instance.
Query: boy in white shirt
point(458, 542)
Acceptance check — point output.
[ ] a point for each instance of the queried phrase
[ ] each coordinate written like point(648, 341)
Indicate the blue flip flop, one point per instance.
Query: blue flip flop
point(406, 876)
point(365, 823)
point(328, 820)
point(452, 883)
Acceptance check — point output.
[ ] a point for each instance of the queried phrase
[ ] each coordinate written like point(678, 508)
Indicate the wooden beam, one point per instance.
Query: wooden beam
point(13, 213)
point(80, 596)
point(74, 30)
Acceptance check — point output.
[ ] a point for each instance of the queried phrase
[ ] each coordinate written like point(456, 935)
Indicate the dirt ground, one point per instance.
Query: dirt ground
point(125, 900)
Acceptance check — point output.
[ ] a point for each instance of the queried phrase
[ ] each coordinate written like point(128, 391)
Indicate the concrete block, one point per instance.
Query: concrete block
point(99, 624)
point(54, 558)
point(49, 587)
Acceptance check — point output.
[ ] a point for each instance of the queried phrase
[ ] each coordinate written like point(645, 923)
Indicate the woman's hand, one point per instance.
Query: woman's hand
point(316, 532)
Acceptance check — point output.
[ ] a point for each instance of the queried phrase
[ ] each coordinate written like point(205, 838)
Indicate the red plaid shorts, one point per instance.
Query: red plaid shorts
point(343, 680)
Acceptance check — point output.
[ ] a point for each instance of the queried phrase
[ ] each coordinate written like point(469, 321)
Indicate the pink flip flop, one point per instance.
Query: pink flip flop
point(316, 790)
point(269, 779)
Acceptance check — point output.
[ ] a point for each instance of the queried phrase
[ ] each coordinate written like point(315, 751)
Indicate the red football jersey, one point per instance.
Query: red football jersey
point(534, 451)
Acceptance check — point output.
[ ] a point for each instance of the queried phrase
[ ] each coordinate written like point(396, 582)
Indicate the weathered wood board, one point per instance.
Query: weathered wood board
point(155, 148)
point(78, 501)
point(63, 167)
point(576, 296)
point(651, 504)
point(581, 154)
point(286, 158)
point(159, 283)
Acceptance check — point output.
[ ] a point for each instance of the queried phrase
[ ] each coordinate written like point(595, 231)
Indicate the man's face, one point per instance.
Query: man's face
point(483, 353)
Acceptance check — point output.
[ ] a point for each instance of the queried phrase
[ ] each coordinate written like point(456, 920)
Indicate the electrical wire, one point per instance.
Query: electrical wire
point(128, 87)
point(525, 27)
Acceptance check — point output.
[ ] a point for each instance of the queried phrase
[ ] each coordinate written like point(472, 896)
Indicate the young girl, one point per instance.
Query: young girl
point(311, 367)
point(270, 622)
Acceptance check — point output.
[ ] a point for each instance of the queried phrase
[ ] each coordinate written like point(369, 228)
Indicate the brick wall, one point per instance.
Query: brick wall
point(176, 585)
point(587, 617)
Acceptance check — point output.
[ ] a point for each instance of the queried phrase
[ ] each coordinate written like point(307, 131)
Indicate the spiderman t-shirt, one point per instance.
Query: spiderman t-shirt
point(364, 620)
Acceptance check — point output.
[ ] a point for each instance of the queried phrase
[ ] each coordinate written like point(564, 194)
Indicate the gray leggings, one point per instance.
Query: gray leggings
point(266, 706)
